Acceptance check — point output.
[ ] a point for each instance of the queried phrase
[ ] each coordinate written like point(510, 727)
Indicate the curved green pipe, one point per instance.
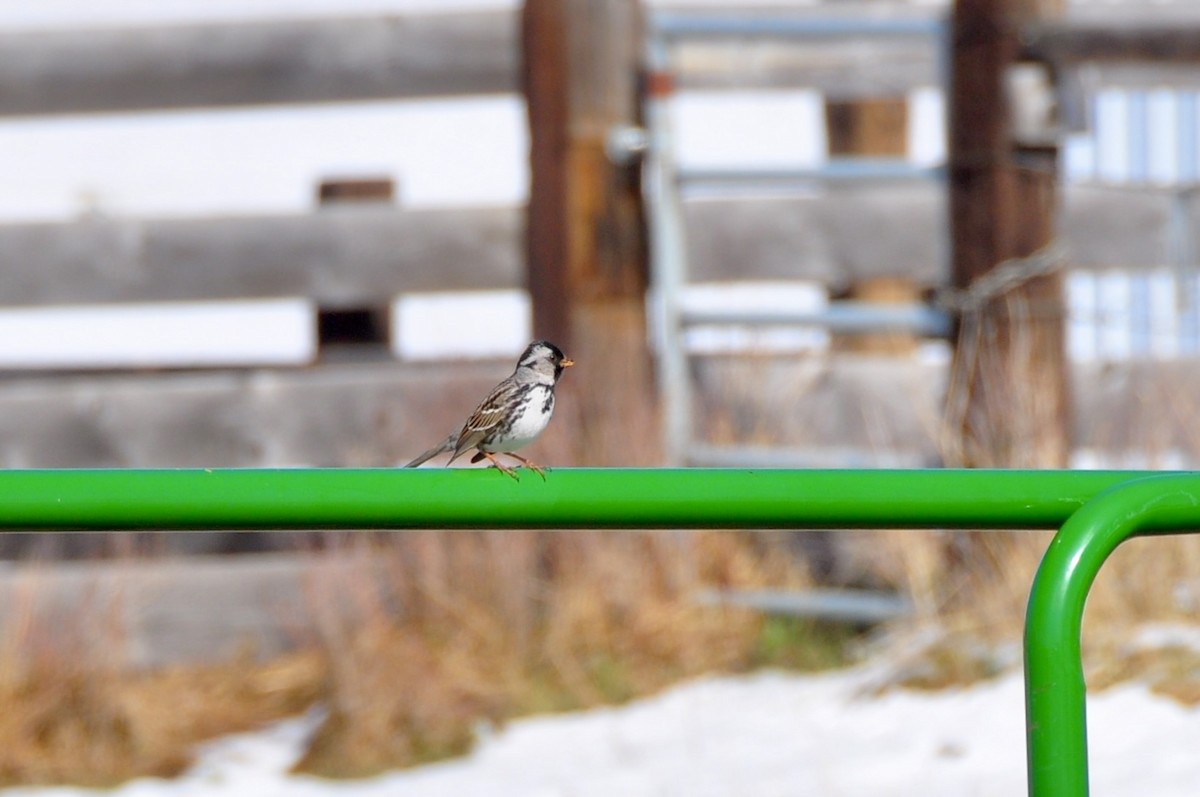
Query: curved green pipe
point(1096, 510)
point(1055, 717)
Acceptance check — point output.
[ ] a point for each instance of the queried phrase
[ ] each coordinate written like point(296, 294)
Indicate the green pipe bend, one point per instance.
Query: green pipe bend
point(1056, 726)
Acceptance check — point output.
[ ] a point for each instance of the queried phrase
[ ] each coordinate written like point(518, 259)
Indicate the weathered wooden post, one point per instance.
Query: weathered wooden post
point(873, 127)
point(1008, 400)
point(586, 240)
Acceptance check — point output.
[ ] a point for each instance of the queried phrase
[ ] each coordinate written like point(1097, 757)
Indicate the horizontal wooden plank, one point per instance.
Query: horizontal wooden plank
point(1143, 75)
point(1109, 226)
point(397, 55)
point(414, 55)
point(251, 63)
point(847, 235)
point(820, 235)
point(383, 413)
point(378, 413)
point(364, 255)
point(339, 257)
point(1148, 38)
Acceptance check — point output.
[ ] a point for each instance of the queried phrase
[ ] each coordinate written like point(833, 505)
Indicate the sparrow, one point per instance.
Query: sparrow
point(513, 414)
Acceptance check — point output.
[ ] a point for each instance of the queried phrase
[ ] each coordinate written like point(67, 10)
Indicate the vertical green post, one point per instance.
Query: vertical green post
point(1055, 713)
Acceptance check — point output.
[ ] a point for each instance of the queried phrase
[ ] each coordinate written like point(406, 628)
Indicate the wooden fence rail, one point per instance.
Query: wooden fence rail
point(293, 61)
point(403, 55)
point(337, 257)
point(357, 255)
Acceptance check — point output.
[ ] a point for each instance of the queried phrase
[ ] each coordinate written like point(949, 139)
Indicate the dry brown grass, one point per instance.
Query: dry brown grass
point(434, 634)
point(1172, 671)
point(978, 608)
point(487, 626)
point(67, 722)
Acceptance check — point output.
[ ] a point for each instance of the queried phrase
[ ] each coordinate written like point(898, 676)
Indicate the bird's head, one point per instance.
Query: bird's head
point(544, 358)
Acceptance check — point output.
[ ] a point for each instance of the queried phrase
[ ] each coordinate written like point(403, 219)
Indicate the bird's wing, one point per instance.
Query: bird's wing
point(487, 416)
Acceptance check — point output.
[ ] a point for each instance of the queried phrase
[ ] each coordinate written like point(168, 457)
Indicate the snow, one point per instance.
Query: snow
point(763, 735)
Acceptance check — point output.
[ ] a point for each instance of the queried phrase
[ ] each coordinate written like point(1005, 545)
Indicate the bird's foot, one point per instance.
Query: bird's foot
point(533, 466)
point(500, 466)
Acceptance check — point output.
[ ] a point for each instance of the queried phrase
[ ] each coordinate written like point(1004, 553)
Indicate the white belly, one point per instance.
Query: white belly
point(526, 428)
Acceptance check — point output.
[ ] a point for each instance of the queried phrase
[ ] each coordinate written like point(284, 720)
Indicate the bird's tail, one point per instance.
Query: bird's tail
point(446, 445)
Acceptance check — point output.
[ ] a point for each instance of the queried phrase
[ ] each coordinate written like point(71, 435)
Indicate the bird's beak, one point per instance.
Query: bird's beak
point(567, 363)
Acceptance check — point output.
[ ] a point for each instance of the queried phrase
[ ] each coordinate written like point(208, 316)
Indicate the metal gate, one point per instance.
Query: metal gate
point(1094, 511)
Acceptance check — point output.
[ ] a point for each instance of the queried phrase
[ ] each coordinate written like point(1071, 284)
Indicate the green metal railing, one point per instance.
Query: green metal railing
point(1095, 511)
point(1055, 722)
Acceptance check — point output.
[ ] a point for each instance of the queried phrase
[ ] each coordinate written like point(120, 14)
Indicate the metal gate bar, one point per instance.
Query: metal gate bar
point(1096, 511)
point(1056, 722)
point(106, 500)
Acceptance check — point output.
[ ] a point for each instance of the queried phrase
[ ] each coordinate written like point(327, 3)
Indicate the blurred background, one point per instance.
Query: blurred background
point(292, 233)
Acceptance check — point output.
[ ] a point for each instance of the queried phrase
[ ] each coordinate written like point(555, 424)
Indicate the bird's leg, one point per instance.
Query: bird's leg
point(529, 464)
point(500, 466)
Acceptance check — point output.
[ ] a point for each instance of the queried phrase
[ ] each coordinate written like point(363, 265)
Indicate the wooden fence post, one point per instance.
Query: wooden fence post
point(873, 127)
point(585, 232)
point(1008, 401)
